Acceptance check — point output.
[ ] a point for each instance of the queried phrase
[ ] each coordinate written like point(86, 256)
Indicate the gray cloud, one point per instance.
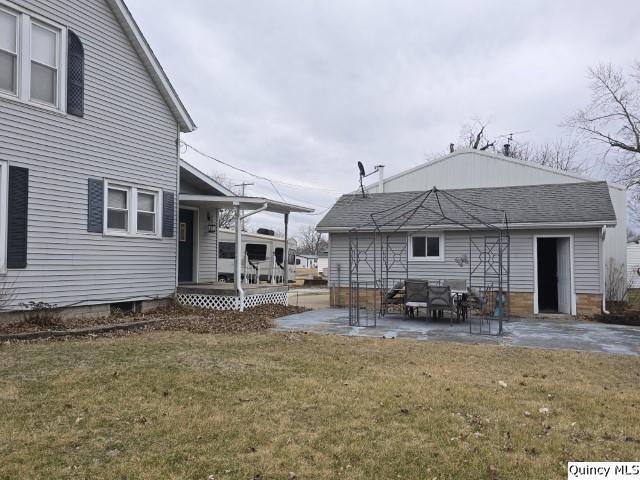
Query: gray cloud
point(301, 90)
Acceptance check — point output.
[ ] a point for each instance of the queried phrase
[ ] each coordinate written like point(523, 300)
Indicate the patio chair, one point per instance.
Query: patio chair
point(416, 295)
point(440, 299)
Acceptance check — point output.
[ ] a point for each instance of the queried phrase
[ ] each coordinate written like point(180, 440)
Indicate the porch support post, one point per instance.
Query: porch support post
point(286, 249)
point(237, 270)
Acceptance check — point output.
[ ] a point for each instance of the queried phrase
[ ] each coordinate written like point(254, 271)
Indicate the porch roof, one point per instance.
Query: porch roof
point(245, 203)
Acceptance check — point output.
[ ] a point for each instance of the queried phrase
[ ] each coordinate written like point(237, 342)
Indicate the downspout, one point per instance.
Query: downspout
point(604, 274)
point(177, 210)
point(237, 273)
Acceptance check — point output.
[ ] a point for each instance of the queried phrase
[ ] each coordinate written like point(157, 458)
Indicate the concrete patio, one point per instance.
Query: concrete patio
point(554, 333)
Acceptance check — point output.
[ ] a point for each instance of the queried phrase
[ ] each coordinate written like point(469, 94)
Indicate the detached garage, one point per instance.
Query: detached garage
point(556, 241)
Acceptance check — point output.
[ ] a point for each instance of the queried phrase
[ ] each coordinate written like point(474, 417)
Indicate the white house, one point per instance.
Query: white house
point(96, 207)
point(633, 264)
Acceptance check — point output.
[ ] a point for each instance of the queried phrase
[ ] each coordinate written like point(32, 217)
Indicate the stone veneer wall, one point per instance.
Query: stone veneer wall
point(521, 302)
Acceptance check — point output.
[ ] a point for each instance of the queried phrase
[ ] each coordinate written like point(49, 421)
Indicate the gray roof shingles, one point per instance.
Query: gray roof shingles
point(569, 203)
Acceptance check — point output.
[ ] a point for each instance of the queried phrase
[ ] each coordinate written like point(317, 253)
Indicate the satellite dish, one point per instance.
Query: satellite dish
point(361, 168)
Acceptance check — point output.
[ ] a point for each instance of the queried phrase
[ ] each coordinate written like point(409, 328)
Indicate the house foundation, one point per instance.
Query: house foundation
point(587, 304)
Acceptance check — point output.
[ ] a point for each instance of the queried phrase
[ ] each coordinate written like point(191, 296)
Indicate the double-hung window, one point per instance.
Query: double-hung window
point(8, 51)
point(32, 58)
point(147, 212)
point(45, 50)
point(118, 208)
point(427, 247)
point(131, 210)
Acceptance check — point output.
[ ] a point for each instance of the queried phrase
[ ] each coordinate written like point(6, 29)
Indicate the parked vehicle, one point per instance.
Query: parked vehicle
point(262, 261)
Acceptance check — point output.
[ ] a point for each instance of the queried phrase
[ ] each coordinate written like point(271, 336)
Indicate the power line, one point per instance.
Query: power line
point(254, 175)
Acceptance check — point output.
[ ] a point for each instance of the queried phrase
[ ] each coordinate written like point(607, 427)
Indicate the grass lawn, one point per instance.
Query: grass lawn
point(179, 405)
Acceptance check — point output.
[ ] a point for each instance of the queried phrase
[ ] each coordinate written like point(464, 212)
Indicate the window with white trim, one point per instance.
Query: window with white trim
point(147, 212)
point(4, 213)
point(118, 208)
point(8, 51)
point(427, 247)
point(45, 43)
point(131, 210)
point(32, 58)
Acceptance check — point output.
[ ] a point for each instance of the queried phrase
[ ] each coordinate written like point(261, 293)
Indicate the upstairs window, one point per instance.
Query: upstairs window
point(45, 46)
point(33, 54)
point(8, 52)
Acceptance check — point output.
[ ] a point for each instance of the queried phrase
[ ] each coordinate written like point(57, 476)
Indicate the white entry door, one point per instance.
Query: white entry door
point(564, 275)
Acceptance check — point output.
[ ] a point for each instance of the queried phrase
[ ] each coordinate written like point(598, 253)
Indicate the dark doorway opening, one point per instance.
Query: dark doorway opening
point(547, 275)
point(185, 248)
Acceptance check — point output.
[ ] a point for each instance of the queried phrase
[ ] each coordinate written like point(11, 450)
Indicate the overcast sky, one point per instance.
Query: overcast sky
point(299, 91)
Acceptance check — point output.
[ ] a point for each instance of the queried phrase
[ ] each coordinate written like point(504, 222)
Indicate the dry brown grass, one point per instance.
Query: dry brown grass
point(179, 405)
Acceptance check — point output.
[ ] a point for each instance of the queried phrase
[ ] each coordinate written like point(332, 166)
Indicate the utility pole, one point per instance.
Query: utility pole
point(243, 185)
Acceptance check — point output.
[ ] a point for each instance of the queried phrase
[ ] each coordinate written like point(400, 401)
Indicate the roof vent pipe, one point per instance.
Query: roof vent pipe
point(380, 169)
point(506, 150)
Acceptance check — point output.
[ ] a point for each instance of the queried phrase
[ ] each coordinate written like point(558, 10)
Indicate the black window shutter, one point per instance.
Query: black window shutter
point(168, 213)
point(95, 205)
point(75, 76)
point(18, 215)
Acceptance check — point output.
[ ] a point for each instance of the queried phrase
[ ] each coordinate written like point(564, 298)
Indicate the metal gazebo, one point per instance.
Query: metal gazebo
point(479, 252)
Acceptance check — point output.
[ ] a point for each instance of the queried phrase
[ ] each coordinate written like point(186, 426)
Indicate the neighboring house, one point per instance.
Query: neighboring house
point(323, 264)
point(306, 261)
point(468, 168)
point(556, 241)
point(89, 164)
point(633, 264)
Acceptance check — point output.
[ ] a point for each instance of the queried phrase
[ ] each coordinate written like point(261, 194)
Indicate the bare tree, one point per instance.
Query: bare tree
point(560, 154)
point(613, 119)
point(227, 217)
point(311, 242)
point(474, 135)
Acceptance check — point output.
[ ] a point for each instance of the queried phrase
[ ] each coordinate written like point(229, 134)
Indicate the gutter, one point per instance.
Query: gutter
point(451, 227)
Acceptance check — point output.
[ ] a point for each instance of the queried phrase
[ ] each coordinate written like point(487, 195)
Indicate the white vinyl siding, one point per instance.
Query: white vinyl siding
point(128, 135)
point(586, 258)
point(208, 247)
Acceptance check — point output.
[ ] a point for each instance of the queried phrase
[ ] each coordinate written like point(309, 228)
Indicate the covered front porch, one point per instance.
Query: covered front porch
point(199, 256)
